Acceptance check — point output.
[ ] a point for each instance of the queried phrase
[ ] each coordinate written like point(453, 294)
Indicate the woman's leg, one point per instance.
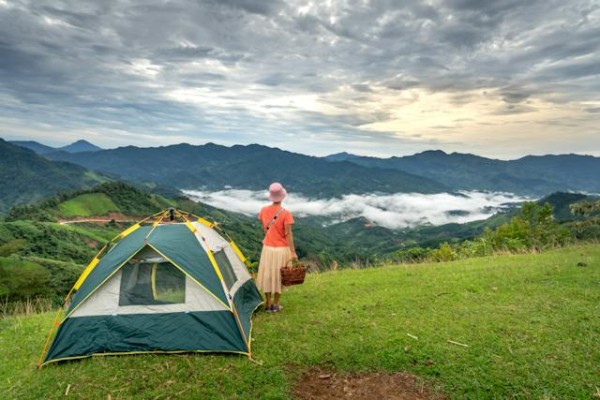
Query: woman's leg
point(276, 299)
point(268, 300)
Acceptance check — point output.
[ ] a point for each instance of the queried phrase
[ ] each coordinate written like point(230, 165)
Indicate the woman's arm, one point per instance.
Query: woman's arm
point(289, 237)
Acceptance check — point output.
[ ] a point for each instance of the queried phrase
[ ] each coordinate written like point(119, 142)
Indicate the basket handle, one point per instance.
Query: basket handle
point(293, 262)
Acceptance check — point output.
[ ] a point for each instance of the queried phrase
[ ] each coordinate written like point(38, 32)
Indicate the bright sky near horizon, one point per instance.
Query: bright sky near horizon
point(500, 79)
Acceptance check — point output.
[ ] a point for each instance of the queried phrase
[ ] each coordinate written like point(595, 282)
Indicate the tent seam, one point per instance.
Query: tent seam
point(191, 277)
point(102, 283)
point(233, 308)
point(141, 352)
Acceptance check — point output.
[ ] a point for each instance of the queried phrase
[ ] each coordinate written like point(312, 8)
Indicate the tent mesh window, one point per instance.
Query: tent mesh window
point(147, 283)
point(225, 267)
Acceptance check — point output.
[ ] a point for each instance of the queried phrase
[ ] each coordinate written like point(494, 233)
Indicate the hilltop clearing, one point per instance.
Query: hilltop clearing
point(511, 326)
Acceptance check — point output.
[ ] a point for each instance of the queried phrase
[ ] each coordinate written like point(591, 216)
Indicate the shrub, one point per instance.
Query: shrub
point(12, 247)
point(412, 255)
point(21, 279)
point(444, 253)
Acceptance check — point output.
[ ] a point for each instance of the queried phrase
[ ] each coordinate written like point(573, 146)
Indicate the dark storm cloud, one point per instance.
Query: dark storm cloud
point(228, 67)
point(252, 6)
point(514, 94)
point(362, 88)
point(401, 83)
point(511, 109)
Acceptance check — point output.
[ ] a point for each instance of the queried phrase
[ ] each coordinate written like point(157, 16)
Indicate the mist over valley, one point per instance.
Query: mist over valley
point(392, 211)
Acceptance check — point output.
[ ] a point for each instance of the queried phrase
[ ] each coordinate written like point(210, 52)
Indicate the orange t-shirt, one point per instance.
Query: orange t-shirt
point(275, 237)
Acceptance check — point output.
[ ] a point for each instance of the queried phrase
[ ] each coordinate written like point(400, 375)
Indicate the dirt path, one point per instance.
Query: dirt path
point(116, 217)
point(318, 384)
point(99, 221)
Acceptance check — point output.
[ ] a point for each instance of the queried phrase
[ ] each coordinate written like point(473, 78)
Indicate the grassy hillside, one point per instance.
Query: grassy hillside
point(110, 197)
point(45, 258)
point(74, 243)
point(86, 205)
point(26, 176)
point(40, 257)
point(344, 242)
point(531, 324)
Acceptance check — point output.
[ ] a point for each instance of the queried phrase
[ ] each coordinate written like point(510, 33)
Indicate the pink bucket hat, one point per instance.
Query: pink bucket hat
point(277, 192)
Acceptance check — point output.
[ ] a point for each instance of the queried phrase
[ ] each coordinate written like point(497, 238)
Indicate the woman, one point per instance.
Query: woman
point(278, 246)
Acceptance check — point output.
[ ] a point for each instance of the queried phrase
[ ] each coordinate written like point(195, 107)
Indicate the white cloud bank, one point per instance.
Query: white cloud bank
point(394, 211)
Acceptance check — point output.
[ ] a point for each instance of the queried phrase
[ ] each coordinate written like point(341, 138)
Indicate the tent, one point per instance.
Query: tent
point(171, 283)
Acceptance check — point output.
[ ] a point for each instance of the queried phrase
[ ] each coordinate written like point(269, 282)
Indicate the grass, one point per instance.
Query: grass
point(28, 306)
point(531, 324)
point(87, 205)
point(99, 233)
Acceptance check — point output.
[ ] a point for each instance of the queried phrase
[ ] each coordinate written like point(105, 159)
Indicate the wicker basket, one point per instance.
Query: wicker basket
point(293, 274)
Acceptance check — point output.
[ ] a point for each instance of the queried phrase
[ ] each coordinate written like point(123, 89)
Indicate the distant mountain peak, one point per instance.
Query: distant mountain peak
point(80, 146)
point(82, 142)
point(433, 153)
point(343, 156)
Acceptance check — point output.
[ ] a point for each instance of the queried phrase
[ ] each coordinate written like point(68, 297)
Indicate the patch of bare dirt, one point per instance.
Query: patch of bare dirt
point(91, 243)
point(119, 216)
point(318, 384)
point(102, 219)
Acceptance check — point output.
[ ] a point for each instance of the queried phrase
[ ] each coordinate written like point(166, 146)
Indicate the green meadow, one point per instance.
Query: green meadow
point(86, 205)
point(512, 326)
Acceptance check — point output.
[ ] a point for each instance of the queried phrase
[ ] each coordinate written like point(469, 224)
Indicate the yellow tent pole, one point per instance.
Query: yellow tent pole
point(134, 227)
point(96, 259)
point(88, 269)
point(237, 318)
point(212, 225)
point(238, 252)
point(156, 223)
point(202, 221)
point(55, 323)
point(153, 281)
point(231, 303)
point(215, 265)
point(186, 217)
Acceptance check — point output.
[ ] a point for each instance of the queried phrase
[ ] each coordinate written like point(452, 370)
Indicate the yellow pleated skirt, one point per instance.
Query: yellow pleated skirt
point(269, 267)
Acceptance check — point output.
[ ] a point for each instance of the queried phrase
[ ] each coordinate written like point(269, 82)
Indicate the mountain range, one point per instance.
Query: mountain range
point(214, 167)
point(26, 176)
point(79, 146)
point(253, 167)
point(530, 175)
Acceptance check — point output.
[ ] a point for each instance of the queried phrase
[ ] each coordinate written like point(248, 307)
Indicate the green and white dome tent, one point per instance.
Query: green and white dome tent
point(168, 284)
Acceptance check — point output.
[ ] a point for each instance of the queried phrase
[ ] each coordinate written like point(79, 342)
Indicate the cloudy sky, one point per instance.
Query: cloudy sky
point(500, 78)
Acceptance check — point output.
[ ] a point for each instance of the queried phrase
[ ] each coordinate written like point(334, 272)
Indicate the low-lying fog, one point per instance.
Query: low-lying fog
point(394, 211)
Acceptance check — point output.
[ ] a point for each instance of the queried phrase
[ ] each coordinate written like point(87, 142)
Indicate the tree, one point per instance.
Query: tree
point(589, 227)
